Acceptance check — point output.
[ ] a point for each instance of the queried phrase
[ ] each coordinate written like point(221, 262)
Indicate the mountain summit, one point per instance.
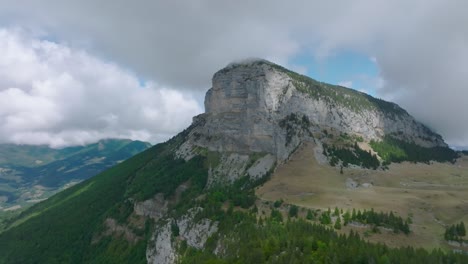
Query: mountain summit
point(192, 199)
point(260, 107)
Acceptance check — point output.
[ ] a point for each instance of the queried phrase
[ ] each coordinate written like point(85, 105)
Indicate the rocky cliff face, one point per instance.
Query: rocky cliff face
point(260, 107)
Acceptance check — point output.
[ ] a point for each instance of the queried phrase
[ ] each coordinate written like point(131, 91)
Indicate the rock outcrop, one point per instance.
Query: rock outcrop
point(162, 248)
point(260, 107)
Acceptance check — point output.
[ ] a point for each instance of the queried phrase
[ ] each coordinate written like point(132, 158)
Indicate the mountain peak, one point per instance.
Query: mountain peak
point(249, 62)
point(256, 106)
point(161, 209)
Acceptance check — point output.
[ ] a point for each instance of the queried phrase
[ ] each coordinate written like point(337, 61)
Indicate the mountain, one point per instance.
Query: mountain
point(192, 199)
point(32, 173)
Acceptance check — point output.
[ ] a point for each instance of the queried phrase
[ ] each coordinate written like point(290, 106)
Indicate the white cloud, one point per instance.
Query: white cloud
point(53, 94)
point(419, 46)
point(348, 84)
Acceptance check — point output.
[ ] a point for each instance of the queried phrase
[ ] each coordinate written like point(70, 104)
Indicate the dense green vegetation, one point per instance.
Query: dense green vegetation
point(325, 218)
point(267, 240)
point(272, 239)
point(37, 236)
point(374, 219)
point(455, 232)
point(65, 228)
point(354, 155)
point(388, 220)
point(391, 149)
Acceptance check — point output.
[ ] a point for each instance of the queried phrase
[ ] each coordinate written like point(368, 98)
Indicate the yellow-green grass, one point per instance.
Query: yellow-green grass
point(434, 195)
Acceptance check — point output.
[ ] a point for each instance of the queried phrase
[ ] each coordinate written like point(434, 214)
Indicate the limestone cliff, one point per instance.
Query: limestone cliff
point(260, 107)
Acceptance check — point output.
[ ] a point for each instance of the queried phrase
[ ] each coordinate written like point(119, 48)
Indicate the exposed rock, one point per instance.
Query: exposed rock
point(161, 249)
point(249, 103)
point(261, 167)
point(114, 228)
point(154, 208)
point(351, 184)
point(318, 153)
point(197, 233)
point(230, 168)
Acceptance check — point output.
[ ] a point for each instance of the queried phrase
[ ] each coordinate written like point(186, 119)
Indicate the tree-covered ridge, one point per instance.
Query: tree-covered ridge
point(244, 237)
point(32, 173)
point(38, 234)
point(379, 219)
point(391, 149)
point(245, 234)
point(345, 156)
point(35, 156)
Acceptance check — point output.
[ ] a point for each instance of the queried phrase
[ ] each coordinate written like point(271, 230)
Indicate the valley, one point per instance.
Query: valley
point(30, 174)
point(433, 195)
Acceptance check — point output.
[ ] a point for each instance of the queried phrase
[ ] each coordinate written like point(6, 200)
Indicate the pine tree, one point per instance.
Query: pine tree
point(336, 212)
point(310, 215)
point(338, 223)
point(293, 210)
point(461, 229)
point(346, 218)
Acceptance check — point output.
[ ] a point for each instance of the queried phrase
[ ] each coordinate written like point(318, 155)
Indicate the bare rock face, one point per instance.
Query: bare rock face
point(260, 107)
point(162, 249)
point(154, 208)
point(196, 233)
point(243, 108)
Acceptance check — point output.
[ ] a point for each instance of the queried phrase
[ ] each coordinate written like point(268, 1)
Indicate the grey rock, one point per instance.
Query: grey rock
point(196, 233)
point(161, 249)
point(248, 102)
point(154, 208)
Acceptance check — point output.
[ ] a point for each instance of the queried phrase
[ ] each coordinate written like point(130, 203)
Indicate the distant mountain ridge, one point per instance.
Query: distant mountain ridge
point(28, 173)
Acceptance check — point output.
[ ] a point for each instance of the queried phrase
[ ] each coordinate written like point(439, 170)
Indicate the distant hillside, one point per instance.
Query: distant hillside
point(32, 173)
point(192, 199)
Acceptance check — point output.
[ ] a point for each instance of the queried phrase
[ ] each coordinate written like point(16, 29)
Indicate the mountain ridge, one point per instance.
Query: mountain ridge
point(260, 107)
point(31, 173)
point(191, 199)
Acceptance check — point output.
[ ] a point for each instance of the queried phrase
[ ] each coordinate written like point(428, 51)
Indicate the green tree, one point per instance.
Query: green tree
point(337, 223)
point(346, 218)
point(336, 212)
point(175, 229)
point(310, 215)
point(276, 215)
point(278, 203)
point(293, 210)
point(461, 229)
point(325, 218)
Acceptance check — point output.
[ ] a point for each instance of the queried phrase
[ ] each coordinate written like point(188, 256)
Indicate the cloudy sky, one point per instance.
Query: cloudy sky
point(75, 71)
